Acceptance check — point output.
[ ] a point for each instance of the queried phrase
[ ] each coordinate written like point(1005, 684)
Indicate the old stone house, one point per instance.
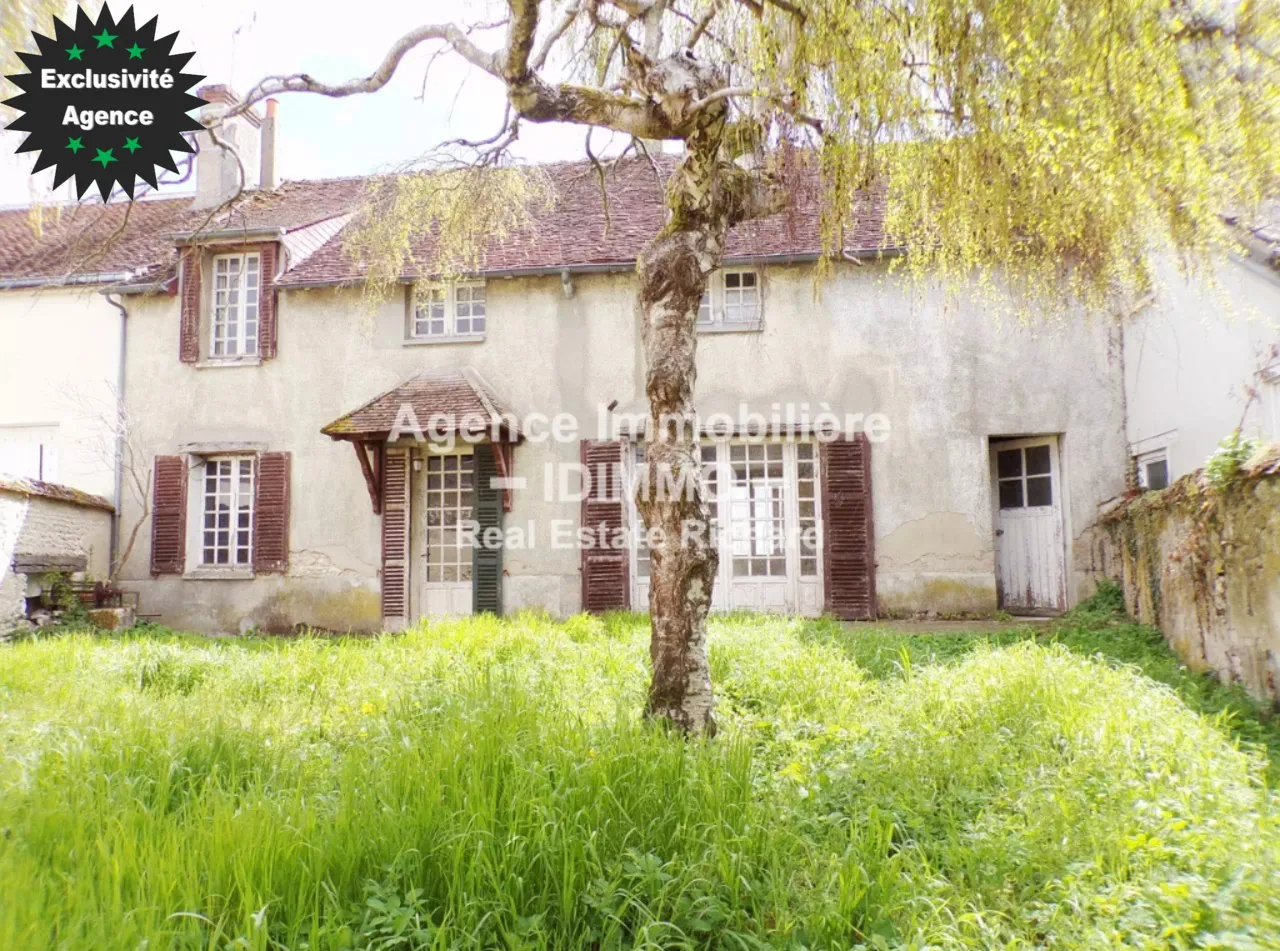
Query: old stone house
point(274, 401)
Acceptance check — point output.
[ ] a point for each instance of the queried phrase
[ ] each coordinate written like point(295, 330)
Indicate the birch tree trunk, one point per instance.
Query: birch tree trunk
point(673, 269)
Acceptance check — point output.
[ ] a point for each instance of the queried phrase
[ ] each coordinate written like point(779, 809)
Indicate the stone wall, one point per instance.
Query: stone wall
point(42, 536)
point(1203, 564)
point(13, 587)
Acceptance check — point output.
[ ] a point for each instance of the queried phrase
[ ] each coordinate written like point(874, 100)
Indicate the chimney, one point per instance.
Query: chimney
point(267, 178)
point(218, 174)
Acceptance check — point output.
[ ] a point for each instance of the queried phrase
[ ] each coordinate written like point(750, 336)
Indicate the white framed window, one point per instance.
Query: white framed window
point(226, 529)
point(1153, 469)
point(732, 300)
point(456, 310)
point(237, 281)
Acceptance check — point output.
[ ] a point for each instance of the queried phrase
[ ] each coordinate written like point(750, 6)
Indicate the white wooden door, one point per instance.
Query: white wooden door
point(443, 498)
point(1030, 548)
point(765, 514)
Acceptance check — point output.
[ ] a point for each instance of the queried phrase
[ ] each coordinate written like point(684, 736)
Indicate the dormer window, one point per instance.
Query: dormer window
point(237, 280)
point(732, 301)
point(454, 312)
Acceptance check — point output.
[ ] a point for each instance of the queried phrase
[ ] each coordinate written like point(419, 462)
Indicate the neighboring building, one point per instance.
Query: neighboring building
point(1203, 359)
point(60, 360)
point(252, 358)
point(47, 530)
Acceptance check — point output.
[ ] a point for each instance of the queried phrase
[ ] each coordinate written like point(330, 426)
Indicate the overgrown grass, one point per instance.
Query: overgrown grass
point(485, 784)
point(1097, 628)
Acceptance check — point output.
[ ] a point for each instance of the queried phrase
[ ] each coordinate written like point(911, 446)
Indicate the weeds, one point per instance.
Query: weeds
point(488, 784)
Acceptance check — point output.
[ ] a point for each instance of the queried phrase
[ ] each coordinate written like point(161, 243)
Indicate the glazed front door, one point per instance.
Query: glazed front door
point(442, 498)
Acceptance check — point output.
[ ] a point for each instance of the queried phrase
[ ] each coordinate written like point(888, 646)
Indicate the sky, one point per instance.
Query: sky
point(238, 42)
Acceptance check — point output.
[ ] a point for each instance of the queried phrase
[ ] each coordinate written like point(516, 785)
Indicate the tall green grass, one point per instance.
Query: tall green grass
point(487, 784)
point(1097, 628)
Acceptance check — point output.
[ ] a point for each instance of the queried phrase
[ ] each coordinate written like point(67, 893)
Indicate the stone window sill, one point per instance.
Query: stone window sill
point(443, 339)
point(219, 574)
point(744, 327)
point(219, 364)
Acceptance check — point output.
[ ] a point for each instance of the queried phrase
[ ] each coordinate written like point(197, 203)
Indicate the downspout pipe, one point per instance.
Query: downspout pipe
point(120, 435)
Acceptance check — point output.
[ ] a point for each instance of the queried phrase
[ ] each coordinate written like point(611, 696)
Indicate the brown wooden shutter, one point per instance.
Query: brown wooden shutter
point(849, 569)
point(486, 556)
point(267, 302)
point(271, 513)
point(395, 539)
point(169, 516)
point(606, 571)
point(189, 343)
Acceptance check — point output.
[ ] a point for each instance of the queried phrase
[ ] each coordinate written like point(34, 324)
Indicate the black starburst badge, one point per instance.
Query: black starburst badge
point(105, 102)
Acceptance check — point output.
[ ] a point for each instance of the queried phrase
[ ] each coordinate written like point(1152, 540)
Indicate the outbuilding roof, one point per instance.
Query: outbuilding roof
point(51, 490)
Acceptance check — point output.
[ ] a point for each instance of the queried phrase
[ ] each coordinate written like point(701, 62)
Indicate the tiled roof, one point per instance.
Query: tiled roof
point(81, 240)
point(442, 401)
point(53, 491)
point(92, 240)
point(577, 232)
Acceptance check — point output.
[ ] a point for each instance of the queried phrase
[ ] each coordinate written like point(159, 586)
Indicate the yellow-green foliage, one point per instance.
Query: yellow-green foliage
point(1047, 146)
point(18, 18)
point(1059, 140)
point(439, 224)
point(490, 784)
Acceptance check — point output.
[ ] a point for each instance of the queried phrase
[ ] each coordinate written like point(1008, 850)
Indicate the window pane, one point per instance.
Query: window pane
point(1040, 491)
point(1009, 463)
point(1158, 474)
point(704, 308)
point(1037, 460)
point(1011, 494)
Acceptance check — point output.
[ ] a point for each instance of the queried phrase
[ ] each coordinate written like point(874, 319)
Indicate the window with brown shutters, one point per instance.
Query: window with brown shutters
point(395, 539)
point(848, 531)
point(197, 311)
point(169, 515)
point(606, 580)
point(271, 513)
point(267, 303)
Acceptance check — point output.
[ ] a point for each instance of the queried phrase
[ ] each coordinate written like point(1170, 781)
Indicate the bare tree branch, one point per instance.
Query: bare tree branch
point(301, 82)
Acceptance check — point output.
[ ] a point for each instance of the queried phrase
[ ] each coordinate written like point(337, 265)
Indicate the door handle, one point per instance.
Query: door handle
point(999, 532)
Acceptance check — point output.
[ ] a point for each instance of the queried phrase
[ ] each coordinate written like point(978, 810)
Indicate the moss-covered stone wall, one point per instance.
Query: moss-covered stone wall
point(1203, 564)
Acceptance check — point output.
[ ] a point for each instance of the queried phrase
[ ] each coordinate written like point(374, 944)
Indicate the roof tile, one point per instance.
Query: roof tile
point(579, 230)
point(441, 401)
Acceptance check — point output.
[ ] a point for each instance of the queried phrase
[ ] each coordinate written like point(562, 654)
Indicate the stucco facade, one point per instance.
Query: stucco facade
point(945, 374)
point(59, 376)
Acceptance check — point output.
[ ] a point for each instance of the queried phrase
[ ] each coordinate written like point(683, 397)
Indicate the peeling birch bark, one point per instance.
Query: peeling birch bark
point(673, 270)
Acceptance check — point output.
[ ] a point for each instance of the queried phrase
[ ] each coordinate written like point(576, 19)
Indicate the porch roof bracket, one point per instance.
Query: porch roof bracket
point(502, 461)
point(372, 479)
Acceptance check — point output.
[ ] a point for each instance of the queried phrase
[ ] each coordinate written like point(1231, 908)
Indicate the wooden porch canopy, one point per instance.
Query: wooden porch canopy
point(435, 404)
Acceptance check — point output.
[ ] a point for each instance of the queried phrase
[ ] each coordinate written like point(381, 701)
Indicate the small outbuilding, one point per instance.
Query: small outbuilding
point(48, 531)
